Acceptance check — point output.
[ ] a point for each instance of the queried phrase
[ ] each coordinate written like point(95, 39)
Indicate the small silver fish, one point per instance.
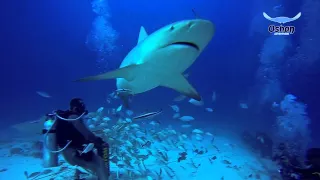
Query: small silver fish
point(176, 115)
point(34, 122)
point(243, 105)
point(186, 125)
point(148, 115)
point(87, 148)
point(175, 108)
point(43, 94)
point(195, 102)
point(100, 109)
point(129, 112)
point(179, 98)
point(214, 96)
point(186, 118)
point(209, 109)
point(119, 108)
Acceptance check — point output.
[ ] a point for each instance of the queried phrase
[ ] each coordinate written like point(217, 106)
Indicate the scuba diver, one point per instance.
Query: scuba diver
point(312, 172)
point(286, 161)
point(260, 142)
point(292, 169)
point(68, 132)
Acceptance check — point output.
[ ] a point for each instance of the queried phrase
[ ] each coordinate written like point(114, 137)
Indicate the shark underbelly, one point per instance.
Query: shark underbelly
point(177, 59)
point(140, 84)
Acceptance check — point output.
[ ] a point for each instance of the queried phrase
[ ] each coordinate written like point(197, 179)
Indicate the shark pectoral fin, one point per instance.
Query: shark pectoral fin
point(181, 84)
point(127, 73)
point(142, 35)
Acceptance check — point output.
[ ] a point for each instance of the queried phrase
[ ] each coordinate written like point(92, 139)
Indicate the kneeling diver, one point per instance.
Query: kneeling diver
point(72, 134)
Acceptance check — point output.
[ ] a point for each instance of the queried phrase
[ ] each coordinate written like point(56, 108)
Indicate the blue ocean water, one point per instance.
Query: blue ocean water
point(48, 44)
point(45, 42)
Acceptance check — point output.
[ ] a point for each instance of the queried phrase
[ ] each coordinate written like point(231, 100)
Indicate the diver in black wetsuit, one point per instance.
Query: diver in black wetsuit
point(292, 169)
point(72, 134)
point(312, 172)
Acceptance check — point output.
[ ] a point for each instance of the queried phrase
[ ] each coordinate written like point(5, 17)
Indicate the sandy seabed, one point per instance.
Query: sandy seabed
point(225, 160)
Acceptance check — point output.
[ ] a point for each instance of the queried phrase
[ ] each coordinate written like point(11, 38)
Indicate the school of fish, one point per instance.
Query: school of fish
point(136, 139)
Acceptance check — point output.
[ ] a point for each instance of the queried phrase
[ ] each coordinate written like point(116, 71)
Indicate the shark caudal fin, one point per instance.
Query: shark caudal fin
point(180, 83)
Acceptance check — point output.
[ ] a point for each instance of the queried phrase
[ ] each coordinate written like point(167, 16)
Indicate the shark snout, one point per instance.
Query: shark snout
point(199, 26)
point(193, 33)
point(190, 24)
point(184, 26)
point(198, 31)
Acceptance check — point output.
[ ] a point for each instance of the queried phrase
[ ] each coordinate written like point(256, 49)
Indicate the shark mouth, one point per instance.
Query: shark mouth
point(189, 44)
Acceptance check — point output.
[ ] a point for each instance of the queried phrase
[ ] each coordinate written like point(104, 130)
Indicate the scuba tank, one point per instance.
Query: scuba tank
point(106, 157)
point(50, 159)
point(103, 152)
point(50, 148)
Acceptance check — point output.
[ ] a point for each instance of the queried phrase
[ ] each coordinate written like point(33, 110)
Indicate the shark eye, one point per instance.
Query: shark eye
point(171, 28)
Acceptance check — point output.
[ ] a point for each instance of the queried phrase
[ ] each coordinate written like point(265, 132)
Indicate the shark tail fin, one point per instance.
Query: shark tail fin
point(127, 73)
point(181, 84)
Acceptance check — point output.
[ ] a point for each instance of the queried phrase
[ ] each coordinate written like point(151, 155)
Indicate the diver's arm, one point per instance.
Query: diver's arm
point(79, 125)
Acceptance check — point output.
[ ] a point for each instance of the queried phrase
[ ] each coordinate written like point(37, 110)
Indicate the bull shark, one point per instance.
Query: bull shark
point(159, 59)
point(281, 19)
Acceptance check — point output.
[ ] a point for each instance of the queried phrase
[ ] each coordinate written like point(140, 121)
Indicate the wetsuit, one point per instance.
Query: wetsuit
point(312, 160)
point(79, 134)
point(308, 173)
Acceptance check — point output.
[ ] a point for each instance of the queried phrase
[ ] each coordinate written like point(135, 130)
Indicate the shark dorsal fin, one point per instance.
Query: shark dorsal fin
point(142, 35)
